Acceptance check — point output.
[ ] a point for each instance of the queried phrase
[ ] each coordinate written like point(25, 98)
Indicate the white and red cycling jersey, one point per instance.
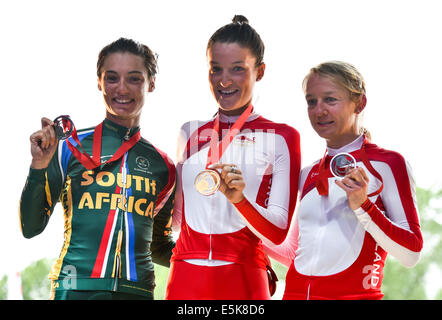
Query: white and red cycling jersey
point(337, 253)
point(213, 232)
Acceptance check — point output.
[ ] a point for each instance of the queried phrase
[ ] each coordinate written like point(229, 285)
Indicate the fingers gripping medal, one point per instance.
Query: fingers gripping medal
point(208, 181)
point(341, 163)
point(63, 127)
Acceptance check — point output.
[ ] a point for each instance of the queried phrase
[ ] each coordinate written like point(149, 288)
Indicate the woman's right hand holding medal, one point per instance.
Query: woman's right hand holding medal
point(232, 182)
point(43, 144)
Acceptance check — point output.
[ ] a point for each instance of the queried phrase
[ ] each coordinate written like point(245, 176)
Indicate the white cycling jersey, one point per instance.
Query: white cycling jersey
point(211, 228)
point(335, 252)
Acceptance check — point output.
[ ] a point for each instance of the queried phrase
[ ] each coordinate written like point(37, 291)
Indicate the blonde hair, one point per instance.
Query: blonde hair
point(345, 75)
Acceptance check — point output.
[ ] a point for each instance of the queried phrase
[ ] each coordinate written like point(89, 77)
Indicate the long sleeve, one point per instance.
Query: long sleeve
point(286, 251)
point(271, 222)
point(177, 210)
point(393, 219)
point(39, 197)
point(162, 240)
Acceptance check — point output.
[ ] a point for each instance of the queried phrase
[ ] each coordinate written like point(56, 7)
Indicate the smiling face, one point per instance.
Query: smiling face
point(332, 113)
point(232, 76)
point(124, 83)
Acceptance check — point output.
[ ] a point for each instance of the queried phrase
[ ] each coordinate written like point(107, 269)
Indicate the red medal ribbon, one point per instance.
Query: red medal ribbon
point(91, 163)
point(366, 162)
point(214, 157)
point(323, 175)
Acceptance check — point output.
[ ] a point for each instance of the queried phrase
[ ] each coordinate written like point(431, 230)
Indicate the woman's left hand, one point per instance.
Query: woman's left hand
point(232, 182)
point(355, 184)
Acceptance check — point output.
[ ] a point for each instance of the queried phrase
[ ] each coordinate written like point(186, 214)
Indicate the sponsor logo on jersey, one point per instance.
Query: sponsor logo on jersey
point(244, 141)
point(142, 162)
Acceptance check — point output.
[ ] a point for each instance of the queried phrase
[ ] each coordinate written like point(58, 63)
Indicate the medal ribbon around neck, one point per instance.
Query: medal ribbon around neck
point(208, 181)
point(228, 138)
point(94, 162)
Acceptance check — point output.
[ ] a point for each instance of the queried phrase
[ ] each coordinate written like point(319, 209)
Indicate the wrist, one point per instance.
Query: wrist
point(238, 199)
point(363, 207)
point(39, 164)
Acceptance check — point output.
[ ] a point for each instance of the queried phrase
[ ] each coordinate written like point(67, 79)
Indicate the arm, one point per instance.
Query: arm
point(178, 203)
point(182, 149)
point(44, 182)
point(392, 219)
point(270, 223)
point(285, 252)
point(162, 241)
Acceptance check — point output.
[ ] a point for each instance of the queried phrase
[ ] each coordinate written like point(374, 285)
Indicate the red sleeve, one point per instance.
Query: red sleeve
point(251, 212)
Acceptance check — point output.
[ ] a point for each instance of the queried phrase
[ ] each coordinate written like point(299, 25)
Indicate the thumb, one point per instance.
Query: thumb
point(46, 122)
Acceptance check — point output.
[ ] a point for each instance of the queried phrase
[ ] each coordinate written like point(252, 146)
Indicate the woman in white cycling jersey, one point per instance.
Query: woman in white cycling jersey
point(219, 252)
point(346, 224)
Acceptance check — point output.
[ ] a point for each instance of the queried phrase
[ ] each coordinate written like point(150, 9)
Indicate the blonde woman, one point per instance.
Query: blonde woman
point(337, 245)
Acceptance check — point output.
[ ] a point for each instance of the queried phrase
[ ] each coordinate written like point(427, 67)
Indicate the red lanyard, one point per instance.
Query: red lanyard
point(216, 149)
point(324, 172)
point(91, 163)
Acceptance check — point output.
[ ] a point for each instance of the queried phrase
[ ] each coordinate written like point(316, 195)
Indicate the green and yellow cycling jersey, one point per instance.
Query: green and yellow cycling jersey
point(117, 216)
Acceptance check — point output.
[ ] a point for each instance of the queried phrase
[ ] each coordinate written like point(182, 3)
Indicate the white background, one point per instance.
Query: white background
point(48, 67)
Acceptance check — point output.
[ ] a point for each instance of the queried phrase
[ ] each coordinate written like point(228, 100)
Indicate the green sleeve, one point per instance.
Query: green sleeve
point(162, 241)
point(39, 197)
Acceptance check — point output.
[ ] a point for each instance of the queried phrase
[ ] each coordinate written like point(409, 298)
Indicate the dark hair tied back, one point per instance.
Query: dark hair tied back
point(239, 31)
point(240, 19)
point(128, 45)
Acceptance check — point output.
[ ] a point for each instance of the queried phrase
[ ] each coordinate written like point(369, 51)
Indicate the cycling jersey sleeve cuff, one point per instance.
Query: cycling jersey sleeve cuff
point(365, 207)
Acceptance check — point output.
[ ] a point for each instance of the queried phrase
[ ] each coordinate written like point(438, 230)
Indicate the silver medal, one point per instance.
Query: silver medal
point(341, 163)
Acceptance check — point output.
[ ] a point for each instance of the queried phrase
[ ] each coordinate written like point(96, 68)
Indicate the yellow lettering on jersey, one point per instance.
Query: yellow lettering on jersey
point(149, 210)
point(138, 203)
point(153, 186)
point(138, 181)
point(120, 180)
point(88, 180)
point(130, 203)
point(101, 197)
point(115, 199)
point(122, 203)
point(110, 179)
point(86, 200)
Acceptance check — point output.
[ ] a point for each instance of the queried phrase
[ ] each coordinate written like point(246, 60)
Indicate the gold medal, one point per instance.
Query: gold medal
point(207, 182)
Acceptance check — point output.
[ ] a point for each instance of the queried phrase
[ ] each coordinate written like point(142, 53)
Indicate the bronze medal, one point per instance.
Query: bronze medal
point(207, 182)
